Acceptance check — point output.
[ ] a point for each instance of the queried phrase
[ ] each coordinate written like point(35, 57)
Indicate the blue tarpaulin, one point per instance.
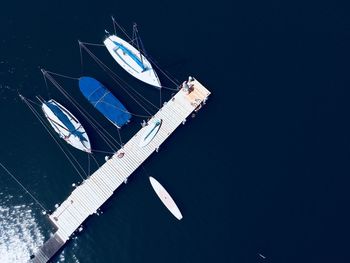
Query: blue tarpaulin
point(103, 100)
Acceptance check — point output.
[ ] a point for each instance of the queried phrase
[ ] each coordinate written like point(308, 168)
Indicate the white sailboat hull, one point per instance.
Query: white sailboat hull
point(130, 59)
point(165, 198)
point(150, 131)
point(62, 129)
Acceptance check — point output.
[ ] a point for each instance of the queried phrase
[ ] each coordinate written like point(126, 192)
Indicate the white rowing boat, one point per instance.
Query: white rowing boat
point(132, 60)
point(150, 132)
point(165, 198)
point(66, 125)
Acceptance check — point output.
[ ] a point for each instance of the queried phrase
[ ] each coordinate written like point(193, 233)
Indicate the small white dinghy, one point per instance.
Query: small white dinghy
point(132, 60)
point(66, 125)
point(165, 198)
point(150, 132)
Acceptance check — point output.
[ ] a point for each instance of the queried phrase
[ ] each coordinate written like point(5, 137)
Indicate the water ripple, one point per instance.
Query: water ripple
point(20, 234)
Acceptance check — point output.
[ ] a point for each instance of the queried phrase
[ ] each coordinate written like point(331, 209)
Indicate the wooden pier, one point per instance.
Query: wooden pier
point(88, 197)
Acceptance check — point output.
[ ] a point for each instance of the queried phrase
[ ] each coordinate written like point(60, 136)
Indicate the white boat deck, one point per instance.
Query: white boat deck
point(94, 191)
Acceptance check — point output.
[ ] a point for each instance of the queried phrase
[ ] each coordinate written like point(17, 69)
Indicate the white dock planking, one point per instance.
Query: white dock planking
point(99, 187)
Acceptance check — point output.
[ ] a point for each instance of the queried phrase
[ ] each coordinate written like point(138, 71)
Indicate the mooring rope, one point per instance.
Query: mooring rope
point(88, 164)
point(97, 164)
point(121, 28)
point(101, 151)
point(23, 187)
point(120, 138)
point(61, 75)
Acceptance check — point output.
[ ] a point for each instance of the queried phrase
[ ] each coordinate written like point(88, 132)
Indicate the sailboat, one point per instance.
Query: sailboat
point(66, 125)
point(104, 101)
point(132, 60)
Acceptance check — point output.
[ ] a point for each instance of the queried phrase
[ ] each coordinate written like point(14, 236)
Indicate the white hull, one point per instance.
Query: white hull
point(150, 131)
point(130, 59)
point(63, 131)
point(165, 198)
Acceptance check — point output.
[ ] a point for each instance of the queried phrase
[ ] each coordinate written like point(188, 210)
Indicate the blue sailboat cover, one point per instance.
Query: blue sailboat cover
point(103, 100)
point(64, 119)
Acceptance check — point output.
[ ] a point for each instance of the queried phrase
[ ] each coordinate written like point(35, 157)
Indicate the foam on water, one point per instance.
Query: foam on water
point(20, 235)
point(72, 258)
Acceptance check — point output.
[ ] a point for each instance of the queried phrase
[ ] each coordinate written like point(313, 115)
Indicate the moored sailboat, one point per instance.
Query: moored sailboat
point(132, 60)
point(66, 125)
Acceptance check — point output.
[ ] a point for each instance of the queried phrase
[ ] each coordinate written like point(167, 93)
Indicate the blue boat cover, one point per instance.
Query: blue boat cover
point(103, 100)
point(64, 119)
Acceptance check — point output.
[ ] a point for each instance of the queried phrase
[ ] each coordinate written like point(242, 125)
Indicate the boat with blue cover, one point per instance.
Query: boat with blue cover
point(104, 101)
point(66, 125)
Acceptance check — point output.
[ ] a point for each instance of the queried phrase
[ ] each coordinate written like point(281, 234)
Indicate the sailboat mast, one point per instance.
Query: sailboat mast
point(136, 36)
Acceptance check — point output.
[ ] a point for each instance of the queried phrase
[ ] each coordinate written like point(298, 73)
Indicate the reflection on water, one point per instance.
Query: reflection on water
point(20, 234)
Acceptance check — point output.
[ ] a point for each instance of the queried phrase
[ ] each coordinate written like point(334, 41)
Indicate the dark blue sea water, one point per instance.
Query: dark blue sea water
point(263, 167)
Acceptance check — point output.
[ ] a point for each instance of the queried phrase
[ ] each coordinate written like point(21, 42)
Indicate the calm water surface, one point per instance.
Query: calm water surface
point(263, 168)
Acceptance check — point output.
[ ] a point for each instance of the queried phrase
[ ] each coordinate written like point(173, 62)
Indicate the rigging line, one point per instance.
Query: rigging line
point(137, 95)
point(81, 61)
point(135, 36)
point(91, 44)
point(121, 28)
point(93, 157)
point(172, 79)
point(61, 75)
point(90, 119)
point(125, 111)
point(165, 72)
point(100, 151)
point(88, 164)
point(160, 97)
point(76, 161)
point(36, 114)
point(25, 189)
point(120, 138)
point(107, 69)
point(115, 30)
point(47, 88)
point(31, 101)
point(163, 87)
point(139, 38)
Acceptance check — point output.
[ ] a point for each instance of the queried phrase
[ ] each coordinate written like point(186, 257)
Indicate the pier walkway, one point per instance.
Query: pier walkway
point(88, 197)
